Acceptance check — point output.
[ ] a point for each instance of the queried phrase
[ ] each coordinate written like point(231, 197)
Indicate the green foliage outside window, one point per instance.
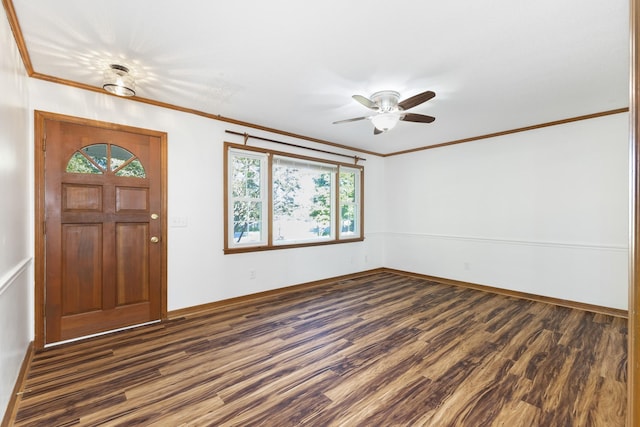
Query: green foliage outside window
point(286, 186)
point(321, 208)
point(104, 158)
point(246, 191)
point(80, 164)
point(347, 202)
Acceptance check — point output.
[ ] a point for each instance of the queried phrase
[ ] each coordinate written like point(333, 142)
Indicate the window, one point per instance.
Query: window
point(349, 202)
point(303, 199)
point(247, 198)
point(105, 158)
point(276, 200)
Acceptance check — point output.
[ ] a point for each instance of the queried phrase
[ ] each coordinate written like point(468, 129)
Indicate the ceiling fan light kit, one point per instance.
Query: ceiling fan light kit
point(390, 110)
point(385, 121)
point(118, 81)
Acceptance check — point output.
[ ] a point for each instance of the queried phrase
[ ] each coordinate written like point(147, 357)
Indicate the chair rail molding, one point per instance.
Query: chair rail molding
point(520, 242)
point(8, 278)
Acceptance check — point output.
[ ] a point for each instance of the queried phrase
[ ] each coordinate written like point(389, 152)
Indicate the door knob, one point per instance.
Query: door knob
point(155, 216)
point(154, 239)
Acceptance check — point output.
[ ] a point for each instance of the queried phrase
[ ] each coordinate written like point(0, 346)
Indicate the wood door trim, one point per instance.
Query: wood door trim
point(40, 117)
point(633, 356)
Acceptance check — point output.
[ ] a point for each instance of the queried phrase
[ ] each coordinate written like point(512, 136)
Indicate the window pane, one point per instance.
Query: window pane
point(246, 177)
point(134, 169)
point(347, 187)
point(286, 195)
point(118, 156)
point(349, 203)
point(321, 208)
point(302, 194)
point(97, 153)
point(80, 164)
point(247, 222)
point(347, 220)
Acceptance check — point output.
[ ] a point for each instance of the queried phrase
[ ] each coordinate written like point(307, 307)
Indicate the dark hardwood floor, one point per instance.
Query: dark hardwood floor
point(381, 350)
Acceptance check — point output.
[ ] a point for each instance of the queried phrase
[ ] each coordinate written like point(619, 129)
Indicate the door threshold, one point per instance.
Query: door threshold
point(137, 325)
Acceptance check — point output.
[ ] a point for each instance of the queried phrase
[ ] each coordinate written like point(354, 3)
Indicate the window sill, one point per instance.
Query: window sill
point(229, 251)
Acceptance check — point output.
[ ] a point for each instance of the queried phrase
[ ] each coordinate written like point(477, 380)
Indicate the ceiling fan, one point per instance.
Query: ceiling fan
point(389, 110)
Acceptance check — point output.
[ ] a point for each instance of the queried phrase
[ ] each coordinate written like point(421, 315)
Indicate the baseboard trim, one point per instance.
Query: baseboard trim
point(198, 309)
point(516, 294)
point(10, 414)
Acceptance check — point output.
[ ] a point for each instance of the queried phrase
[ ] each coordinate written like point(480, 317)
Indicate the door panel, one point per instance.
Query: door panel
point(132, 199)
point(132, 248)
point(104, 222)
point(81, 268)
point(77, 197)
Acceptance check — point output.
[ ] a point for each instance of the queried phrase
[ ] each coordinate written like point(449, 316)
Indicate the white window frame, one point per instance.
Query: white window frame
point(263, 199)
point(356, 203)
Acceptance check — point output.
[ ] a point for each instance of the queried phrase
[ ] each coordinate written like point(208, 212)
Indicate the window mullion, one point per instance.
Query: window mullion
point(360, 211)
point(337, 206)
point(269, 191)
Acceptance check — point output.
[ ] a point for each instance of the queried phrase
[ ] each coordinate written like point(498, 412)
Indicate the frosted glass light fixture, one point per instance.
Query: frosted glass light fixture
point(118, 81)
point(385, 121)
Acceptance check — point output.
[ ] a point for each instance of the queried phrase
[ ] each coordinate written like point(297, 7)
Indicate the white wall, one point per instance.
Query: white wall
point(543, 212)
point(16, 307)
point(198, 271)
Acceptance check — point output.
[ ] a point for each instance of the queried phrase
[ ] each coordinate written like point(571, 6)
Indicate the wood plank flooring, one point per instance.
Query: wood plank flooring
point(380, 350)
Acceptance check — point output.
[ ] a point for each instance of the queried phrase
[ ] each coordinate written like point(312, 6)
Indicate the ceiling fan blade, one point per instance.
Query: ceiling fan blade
point(416, 100)
point(365, 101)
point(420, 118)
point(350, 120)
point(377, 131)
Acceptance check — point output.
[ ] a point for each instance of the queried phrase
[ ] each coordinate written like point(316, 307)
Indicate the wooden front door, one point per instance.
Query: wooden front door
point(104, 229)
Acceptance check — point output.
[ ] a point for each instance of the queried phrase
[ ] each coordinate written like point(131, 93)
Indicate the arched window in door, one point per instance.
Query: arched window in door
point(105, 159)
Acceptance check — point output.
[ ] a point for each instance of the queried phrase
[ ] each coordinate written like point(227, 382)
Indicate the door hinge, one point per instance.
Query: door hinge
point(44, 227)
point(44, 142)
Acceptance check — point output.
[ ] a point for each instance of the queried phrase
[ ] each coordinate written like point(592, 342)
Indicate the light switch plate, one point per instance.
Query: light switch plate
point(178, 221)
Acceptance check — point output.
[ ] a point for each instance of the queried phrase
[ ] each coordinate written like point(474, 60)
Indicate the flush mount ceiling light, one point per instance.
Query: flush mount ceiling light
point(118, 81)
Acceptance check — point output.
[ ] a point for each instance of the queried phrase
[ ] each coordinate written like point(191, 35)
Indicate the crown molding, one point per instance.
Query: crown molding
point(24, 53)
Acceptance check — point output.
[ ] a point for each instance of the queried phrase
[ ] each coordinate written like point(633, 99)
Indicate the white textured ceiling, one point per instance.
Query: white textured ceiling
point(293, 65)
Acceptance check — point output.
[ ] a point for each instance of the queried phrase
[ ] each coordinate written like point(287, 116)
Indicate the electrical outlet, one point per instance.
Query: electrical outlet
point(252, 274)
